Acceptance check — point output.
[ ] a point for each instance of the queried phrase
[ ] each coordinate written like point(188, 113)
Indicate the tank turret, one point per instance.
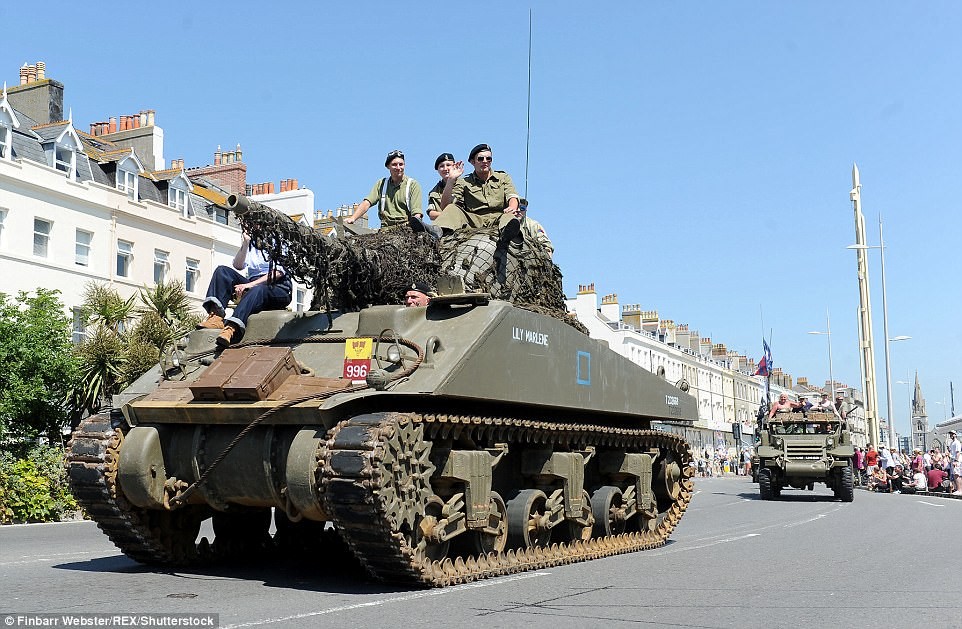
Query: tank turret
point(350, 272)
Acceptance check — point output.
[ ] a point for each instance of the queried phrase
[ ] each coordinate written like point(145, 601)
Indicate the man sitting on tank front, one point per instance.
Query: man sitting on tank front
point(484, 198)
point(418, 295)
point(265, 287)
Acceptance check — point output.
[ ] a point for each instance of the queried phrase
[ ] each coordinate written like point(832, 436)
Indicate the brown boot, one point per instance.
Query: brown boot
point(213, 322)
point(224, 338)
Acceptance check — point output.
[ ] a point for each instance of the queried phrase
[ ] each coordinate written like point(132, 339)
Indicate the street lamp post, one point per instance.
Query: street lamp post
point(885, 330)
point(828, 333)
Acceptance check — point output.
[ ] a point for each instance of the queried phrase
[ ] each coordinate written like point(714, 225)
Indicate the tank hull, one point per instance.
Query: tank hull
point(484, 439)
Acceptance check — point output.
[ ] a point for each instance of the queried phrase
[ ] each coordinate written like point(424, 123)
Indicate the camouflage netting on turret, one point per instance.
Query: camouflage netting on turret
point(358, 271)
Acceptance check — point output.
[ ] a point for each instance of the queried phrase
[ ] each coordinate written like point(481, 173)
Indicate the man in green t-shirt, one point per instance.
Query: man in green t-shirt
point(485, 197)
point(397, 196)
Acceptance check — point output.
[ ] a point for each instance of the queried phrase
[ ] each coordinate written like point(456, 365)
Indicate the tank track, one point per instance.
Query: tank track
point(147, 536)
point(363, 477)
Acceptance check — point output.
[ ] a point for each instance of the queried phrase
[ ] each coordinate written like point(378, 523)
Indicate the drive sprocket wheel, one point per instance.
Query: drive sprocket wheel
point(403, 473)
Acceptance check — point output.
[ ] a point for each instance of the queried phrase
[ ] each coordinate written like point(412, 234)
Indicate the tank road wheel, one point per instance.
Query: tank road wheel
point(765, 484)
point(526, 520)
point(494, 537)
point(431, 548)
point(846, 484)
point(580, 529)
point(668, 485)
point(609, 511)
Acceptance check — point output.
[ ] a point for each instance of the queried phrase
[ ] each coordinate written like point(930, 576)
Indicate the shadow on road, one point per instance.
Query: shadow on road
point(798, 495)
point(312, 576)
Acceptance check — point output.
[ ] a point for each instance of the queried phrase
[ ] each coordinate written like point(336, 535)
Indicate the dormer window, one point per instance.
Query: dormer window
point(127, 175)
point(6, 141)
point(66, 160)
point(63, 157)
point(177, 195)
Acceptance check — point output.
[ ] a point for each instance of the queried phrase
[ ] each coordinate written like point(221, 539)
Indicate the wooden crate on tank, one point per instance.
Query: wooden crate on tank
point(303, 386)
point(170, 391)
point(246, 373)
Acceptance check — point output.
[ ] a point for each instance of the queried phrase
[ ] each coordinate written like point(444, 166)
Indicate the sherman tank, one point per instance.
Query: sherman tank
point(470, 438)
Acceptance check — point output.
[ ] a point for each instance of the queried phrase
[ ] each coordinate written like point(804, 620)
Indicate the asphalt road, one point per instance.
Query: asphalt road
point(733, 561)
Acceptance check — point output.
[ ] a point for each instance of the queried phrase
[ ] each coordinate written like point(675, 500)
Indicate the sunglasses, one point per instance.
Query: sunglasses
point(394, 154)
point(484, 158)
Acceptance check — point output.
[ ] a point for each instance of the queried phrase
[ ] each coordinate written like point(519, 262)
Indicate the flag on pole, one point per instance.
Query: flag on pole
point(765, 364)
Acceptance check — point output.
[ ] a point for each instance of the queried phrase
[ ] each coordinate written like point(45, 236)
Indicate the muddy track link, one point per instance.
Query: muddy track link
point(371, 464)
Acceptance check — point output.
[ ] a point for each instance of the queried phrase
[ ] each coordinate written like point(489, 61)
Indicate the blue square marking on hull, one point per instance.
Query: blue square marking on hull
point(584, 368)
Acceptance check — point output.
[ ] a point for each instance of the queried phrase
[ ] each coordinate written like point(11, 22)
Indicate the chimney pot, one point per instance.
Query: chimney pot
point(23, 74)
point(294, 184)
point(270, 188)
point(41, 70)
point(150, 117)
point(31, 73)
point(136, 121)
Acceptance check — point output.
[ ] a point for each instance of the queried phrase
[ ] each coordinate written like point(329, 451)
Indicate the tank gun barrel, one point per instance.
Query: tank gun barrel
point(299, 249)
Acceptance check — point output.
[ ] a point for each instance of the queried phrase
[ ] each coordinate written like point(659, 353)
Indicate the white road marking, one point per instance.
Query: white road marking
point(674, 549)
point(931, 504)
point(394, 599)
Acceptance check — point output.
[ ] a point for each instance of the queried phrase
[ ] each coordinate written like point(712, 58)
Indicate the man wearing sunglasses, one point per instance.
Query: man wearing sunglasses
point(485, 197)
point(397, 197)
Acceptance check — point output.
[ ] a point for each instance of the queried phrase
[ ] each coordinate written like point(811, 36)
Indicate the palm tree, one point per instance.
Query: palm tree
point(114, 354)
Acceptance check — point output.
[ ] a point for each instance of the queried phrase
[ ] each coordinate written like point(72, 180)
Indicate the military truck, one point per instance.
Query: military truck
point(798, 450)
point(470, 438)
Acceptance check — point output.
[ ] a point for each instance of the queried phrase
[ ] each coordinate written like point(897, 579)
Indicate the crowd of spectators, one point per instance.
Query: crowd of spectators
point(888, 471)
point(723, 461)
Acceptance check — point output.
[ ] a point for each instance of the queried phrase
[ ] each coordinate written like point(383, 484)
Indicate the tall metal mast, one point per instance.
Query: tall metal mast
point(865, 342)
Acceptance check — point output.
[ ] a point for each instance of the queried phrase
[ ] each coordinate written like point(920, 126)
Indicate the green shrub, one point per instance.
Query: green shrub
point(35, 488)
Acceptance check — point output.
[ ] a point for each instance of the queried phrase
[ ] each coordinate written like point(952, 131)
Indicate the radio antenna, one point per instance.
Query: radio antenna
point(527, 140)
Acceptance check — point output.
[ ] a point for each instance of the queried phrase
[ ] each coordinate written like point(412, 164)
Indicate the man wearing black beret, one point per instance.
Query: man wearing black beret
point(485, 197)
point(418, 294)
point(445, 165)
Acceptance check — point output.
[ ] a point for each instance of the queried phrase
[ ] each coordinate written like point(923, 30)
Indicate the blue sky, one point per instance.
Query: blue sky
point(692, 157)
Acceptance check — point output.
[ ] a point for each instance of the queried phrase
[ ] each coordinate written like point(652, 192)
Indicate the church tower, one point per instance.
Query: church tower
point(920, 421)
